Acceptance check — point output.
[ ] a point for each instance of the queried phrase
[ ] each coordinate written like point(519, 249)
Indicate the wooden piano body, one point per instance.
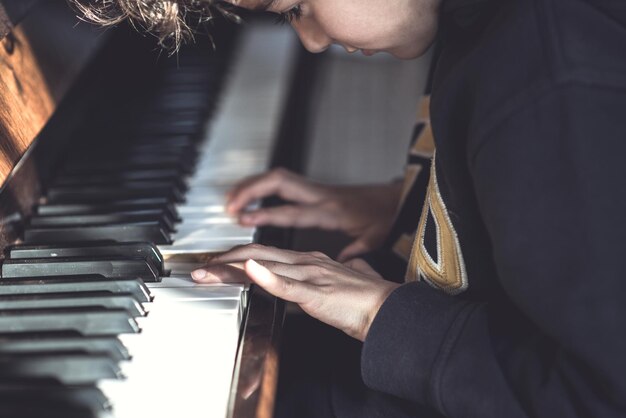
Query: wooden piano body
point(52, 71)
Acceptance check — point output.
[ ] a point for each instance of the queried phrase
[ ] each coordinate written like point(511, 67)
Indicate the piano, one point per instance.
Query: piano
point(114, 161)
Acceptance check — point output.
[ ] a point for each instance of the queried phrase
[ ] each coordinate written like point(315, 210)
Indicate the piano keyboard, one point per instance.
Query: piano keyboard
point(95, 321)
point(238, 146)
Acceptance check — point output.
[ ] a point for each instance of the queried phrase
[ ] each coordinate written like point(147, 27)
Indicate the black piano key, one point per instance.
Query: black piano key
point(84, 321)
point(37, 343)
point(66, 284)
point(67, 368)
point(112, 167)
point(189, 75)
point(185, 117)
point(144, 250)
point(124, 176)
point(111, 207)
point(17, 400)
point(87, 398)
point(127, 157)
point(124, 136)
point(129, 140)
point(190, 82)
point(164, 177)
point(130, 190)
point(168, 93)
point(184, 100)
point(107, 267)
point(73, 300)
point(190, 128)
point(25, 407)
point(154, 231)
point(119, 160)
point(171, 126)
point(164, 140)
point(133, 152)
point(103, 219)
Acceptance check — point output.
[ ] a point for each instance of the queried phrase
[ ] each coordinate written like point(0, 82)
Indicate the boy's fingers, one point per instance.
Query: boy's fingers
point(299, 216)
point(276, 182)
point(279, 286)
point(354, 249)
point(360, 265)
point(222, 273)
point(299, 272)
point(256, 251)
point(234, 200)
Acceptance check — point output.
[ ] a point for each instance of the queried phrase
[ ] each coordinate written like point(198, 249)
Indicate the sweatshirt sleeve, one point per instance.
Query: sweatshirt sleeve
point(551, 184)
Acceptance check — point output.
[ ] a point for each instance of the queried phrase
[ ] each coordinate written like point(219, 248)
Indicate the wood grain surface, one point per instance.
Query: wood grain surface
point(26, 103)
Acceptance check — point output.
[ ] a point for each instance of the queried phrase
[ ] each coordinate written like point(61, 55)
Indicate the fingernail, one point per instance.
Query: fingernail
point(198, 274)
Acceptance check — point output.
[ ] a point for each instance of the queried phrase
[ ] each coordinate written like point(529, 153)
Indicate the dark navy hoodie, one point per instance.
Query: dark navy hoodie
point(516, 305)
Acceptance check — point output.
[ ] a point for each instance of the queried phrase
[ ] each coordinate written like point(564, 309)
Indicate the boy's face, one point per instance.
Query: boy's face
point(403, 28)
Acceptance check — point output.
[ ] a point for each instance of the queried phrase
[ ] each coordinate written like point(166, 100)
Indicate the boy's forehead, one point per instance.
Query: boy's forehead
point(252, 4)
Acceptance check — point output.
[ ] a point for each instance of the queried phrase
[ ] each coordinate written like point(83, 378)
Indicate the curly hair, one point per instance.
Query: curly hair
point(172, 22)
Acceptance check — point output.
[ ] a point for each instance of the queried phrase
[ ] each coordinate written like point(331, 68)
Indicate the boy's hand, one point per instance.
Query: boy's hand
point(345, 296)
point(365, 213)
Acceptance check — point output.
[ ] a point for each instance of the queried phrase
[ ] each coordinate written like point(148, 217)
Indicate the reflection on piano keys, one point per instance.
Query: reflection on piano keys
point(98, 315)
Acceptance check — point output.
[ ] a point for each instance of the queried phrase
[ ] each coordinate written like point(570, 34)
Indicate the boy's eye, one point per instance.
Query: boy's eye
point(290, 15)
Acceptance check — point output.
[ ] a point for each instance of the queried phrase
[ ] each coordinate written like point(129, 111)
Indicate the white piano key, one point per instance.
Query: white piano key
point(213, 191)
point(185, 210)
point(191, 210)
point(182, 269)
point(213, 220)
point(182, 361)
point(202, 217)
point(226, 155)
point(197, 198)
point(198, 220)
point(190, 231)
point(226, 172)
point(198, 293)
point(181, 280)
point(202, 246)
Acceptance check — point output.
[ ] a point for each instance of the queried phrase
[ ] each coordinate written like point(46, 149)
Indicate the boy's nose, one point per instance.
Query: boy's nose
point(312, 36)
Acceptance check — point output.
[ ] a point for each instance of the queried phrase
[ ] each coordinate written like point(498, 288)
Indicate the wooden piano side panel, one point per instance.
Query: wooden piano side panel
point(16, 198)
point(256, 373)
point(41, 61)
point(26, 103)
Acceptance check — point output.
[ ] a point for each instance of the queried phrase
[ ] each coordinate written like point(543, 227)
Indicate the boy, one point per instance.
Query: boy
point(513, 304)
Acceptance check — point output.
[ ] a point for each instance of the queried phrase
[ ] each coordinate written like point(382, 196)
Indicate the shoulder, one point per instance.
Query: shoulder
point(525, 50)
point(585, 40)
